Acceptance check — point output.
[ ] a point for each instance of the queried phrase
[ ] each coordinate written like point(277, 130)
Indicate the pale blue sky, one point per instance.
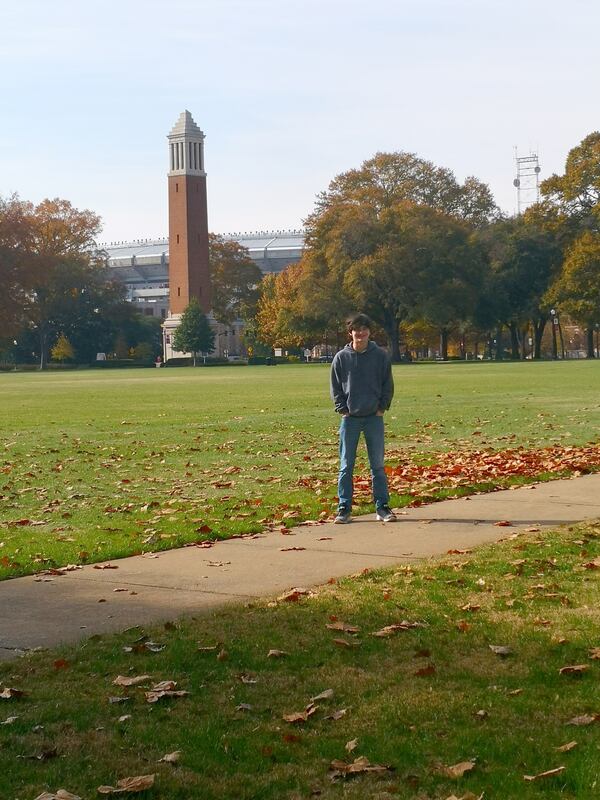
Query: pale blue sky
point(288, 93)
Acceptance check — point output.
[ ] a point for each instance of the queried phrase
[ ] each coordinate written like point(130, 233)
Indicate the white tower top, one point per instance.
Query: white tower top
point(186, 147)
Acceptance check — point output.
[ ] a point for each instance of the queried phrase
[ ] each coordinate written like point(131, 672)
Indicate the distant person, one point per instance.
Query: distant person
point(362, 388)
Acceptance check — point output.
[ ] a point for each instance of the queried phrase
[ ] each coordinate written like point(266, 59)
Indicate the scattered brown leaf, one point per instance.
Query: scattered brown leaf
point(584, 719)
point(361, 765)
point(134, 680)
point(170, 758)
point(458, 770)
point(566, 748)
point(342, 626)
point(548, 774)
point(575, 669)
point(138, 783)
point(501, 649)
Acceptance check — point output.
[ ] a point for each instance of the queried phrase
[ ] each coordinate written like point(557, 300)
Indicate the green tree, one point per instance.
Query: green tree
point(525, 255)
point(194, 334)
point(235, 280)
point(576, 193)
point(62, 350)
point(65, 254)
point(390, 178)
point(577, 289)
point(18, 264)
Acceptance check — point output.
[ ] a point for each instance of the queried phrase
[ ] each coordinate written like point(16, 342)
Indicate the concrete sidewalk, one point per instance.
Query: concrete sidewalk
point(43, 611)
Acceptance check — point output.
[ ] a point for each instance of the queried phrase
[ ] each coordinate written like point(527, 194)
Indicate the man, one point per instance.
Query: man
point(362, 388)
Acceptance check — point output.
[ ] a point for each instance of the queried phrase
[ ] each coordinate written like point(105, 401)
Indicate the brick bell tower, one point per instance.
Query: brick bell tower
point(189, 274)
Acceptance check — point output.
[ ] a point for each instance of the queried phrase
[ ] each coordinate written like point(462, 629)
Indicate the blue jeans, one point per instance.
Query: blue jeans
point(373, 430)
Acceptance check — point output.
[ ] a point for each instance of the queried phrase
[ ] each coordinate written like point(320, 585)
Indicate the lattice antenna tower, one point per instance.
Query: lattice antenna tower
point(527, 182)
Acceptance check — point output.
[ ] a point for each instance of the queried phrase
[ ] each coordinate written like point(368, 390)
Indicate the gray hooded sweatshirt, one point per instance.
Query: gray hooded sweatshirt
point(362, 383)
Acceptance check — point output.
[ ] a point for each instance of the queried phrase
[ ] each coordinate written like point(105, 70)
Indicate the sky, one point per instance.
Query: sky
point(289, 94)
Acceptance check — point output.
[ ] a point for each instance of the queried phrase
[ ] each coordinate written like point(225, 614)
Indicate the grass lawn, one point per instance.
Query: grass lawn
point(97, 465)
point(417, 700)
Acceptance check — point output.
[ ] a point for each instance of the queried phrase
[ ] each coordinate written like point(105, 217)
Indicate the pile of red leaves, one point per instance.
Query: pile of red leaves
point(468, 468)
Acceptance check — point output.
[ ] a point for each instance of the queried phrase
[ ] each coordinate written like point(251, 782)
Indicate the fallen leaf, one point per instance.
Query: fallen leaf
point(565, 748)
point(300, 716)
point(134, 680)
point(425, 671)
point(335, 715)
point(357, 767)
point(8, 693)
point(470, 607)
point(294, 595)
point(548, 774)
point(326, 695)
point(342, 626)
point(105, 566)
point(170, 758)
point(595, 653)
point(501, 649)
point(595, 564)
point(277, 654)
point(287, 549)
point(138, 783)
point(584, 719)
point(389, 630)
point(61, 794)
point(164, 689)
point(458, 770)
point(10, 720)
point(576, 669)
point(351, 745)
point(503, 523)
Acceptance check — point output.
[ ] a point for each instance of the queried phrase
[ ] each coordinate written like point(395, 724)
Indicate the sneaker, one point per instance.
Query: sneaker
point(343, 515)
point(385, 514)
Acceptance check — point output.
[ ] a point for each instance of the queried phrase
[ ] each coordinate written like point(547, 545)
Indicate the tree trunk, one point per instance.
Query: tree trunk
point(524, 334)
point(515, 350)
point(43, 347)
point(444, 344)
point(393, 333)
point(499, 344)
point(589, 342)
point(538, 328)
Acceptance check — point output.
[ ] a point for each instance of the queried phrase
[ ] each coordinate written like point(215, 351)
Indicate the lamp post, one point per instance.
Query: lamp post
point(554, 320)
point(16, 344)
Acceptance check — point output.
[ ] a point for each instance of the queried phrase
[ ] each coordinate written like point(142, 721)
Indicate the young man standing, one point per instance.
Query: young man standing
point(362, 388)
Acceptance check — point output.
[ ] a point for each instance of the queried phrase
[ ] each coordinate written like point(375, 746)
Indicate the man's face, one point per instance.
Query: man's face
point(360, 337)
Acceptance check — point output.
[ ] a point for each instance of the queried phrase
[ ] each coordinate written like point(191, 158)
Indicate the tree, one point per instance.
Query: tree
point(235, 280)
point(389, 178)
point(525, 254)
point(577, 289)
point(577, 192)
point(194, 334)
point(18, 265)
point(396, 263)
point(62, 350)
point(276, 321)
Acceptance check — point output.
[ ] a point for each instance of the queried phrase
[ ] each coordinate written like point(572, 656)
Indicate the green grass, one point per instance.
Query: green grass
point(97, 465)
point(532, 593)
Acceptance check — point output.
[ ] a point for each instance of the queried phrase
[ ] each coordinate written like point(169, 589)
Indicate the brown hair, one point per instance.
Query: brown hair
point(358, 321)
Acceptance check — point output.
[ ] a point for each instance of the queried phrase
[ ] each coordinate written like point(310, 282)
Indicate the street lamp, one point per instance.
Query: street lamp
point(554, 319)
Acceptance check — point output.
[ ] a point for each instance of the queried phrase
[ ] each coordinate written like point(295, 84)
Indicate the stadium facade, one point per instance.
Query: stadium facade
point(143, 265)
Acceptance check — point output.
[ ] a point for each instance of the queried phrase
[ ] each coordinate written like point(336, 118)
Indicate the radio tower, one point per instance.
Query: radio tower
point(527, 182)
